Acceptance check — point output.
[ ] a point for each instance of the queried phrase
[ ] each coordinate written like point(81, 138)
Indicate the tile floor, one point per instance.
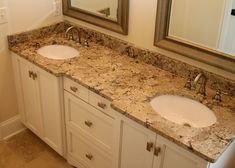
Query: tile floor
point(25, 150)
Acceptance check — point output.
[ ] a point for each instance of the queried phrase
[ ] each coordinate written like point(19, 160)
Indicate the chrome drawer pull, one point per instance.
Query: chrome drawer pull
point(157, 151)
point(88, 123)
point(149, 146)
point(34, 75)
point(101, 105)
point(89, 156)
point(30, 74)
point(73, 88)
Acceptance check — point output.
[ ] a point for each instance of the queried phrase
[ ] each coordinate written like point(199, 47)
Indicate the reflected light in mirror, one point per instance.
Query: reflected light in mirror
point(104, 8)
point(207, 23)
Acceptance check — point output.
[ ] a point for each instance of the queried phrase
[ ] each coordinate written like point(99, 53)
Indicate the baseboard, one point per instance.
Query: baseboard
point(11, 127)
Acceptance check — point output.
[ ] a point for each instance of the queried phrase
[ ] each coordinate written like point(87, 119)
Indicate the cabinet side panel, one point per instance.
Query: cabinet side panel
point(18, 86)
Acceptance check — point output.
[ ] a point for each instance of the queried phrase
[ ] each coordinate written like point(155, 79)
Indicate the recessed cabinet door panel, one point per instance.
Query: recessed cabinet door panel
point(50, 101)
point(134, 141)
point(87, 119)
point(85, 152)
point(31, 104)
point(170, 155)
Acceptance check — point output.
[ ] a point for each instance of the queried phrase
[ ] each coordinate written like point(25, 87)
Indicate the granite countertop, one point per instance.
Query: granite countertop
point(130, 84)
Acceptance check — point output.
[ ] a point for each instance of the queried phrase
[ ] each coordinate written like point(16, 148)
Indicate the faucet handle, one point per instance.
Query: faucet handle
point(188, 84)
point(86, 43)
point(217, 97)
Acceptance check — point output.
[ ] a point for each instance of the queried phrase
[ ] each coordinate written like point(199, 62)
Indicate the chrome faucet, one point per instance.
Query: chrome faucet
point(71, 36)
point(202, 88)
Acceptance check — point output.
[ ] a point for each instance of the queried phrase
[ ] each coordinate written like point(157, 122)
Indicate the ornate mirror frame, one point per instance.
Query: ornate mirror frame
point(119, 26)
point(162, 40)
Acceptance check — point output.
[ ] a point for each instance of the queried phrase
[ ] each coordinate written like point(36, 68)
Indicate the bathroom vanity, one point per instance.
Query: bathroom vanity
point(94, 109)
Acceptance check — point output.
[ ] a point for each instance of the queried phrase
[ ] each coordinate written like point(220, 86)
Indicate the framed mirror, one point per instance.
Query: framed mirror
point(109, 14)
point(203, 30)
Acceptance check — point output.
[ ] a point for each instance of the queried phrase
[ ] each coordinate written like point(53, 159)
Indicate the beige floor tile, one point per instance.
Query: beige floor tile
point(26, 150)
point(26, 145)
point(48, 160)
point(8, 159)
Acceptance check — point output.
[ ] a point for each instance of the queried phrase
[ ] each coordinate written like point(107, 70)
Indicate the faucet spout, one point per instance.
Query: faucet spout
point(78, 38)
point(202, 89)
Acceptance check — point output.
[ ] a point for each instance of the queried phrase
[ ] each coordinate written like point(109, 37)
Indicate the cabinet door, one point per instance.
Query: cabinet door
point(136, 145)
point(49, 94)
point(32, 109)
point(169, 155)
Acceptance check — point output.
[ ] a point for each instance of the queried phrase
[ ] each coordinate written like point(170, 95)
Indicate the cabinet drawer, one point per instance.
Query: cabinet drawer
point(76, 89)
point(100, 103)
point(95, 124)
point(85, 152)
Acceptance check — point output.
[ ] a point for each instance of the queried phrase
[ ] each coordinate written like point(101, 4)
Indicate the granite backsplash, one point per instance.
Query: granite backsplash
point(215, 82)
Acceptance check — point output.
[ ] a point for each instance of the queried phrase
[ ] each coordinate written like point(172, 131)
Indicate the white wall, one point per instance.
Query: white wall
point(22, 15)
point(142, 16)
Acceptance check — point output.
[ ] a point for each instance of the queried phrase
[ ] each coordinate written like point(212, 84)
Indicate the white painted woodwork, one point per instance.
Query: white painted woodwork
point(79, 146)
point(78, 113)
point(18, 86)
point(95, 100)
point(76, 89)
point(32, 108)
point(49, 94)
point(133, 153)
point(134, 139)
point(41, 108)
point(172, 156)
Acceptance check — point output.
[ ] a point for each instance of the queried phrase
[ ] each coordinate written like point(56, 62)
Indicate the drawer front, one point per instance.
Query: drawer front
point(85, 153)
point(76, 89)
point(85, 118)
point(100, 103)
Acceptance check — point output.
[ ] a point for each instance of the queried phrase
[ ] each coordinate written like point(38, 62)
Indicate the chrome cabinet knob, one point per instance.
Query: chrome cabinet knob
point(89, 156)
point(157, 151)
point(88, 123)
point(30, 74)
point(101, 105)
point(149, 146)
point(73, 88)
point(34, 75)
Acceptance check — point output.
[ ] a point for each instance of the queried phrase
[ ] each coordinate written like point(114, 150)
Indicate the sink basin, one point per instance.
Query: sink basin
point(58, 52)
point(183, 111)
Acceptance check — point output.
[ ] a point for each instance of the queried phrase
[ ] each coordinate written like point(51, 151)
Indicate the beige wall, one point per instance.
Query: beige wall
point(23, 15)
point(197, 21)
point(142, 16)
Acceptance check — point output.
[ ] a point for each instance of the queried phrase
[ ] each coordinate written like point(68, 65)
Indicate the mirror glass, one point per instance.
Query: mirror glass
point(110, 14)
point(105, 8)
point(206, 23)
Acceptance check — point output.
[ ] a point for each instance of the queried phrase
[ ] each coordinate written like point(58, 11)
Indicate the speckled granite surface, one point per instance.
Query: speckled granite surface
point(130, 83)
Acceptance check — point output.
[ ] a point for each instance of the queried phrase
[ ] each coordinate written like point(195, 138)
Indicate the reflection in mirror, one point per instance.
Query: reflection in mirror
point(105, 8)
point(202, 30)
point(208, 23)
point(109, 14)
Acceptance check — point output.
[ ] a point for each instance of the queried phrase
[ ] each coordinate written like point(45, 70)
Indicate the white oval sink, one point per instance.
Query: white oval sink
point(183, 111)
point(58, 52)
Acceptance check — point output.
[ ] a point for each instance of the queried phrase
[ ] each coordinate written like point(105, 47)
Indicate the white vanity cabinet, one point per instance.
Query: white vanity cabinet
point(90, 127)
point(142, 148)
point(40, 101)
